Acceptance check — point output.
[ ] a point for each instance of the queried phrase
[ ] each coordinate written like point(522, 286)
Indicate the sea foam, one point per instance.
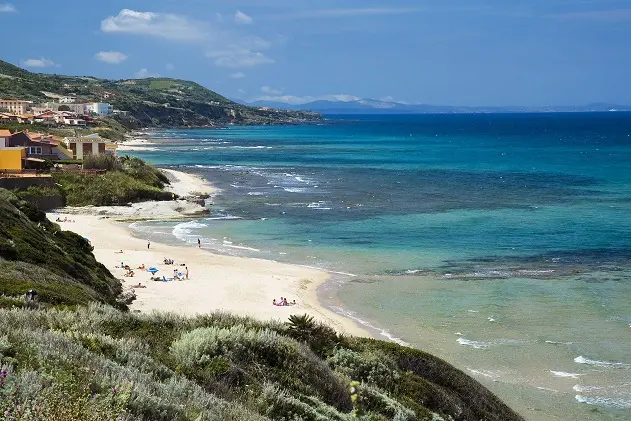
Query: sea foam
point(582, 360)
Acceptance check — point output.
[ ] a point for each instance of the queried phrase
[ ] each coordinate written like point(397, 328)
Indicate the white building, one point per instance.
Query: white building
point(89, 145)
point(15, 106)
point(67, 100)
point(99, 108)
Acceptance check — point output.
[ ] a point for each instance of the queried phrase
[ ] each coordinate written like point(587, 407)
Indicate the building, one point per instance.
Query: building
point(5, 135)
point(15, 106)
point(39, 147)
point(79, 109)
point(67, 100)
point(83, 146)
point(12, 158)
point(101, 109)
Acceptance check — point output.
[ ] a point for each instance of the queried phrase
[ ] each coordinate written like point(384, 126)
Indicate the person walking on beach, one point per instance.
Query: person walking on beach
point(186, 272)
point(199, 243)
point(148, 244)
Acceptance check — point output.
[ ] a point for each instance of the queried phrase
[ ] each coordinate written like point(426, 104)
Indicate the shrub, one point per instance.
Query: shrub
point(321, 338)
point(102, 162)
point(279, 404)
point(367, 367)
point(263, 354)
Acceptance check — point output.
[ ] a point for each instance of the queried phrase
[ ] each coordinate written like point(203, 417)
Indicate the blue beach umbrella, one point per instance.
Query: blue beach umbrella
point(153, 270)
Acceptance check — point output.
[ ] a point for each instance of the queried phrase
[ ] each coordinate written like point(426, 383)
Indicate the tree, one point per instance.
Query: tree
point(64, 108)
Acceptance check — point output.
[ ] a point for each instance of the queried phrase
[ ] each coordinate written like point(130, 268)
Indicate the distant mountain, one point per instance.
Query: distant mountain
point(151, 102)
point(372, 106)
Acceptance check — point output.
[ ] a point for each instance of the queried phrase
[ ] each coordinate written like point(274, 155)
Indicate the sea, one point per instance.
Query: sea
point(498, 242)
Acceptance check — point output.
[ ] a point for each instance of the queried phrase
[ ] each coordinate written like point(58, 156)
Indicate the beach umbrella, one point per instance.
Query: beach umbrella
point(153, 270)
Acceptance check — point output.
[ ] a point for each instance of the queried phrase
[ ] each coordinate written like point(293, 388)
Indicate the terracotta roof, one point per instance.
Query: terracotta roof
point(5, 133)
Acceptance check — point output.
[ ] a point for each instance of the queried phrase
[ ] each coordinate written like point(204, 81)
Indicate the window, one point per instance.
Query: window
point(35, 150)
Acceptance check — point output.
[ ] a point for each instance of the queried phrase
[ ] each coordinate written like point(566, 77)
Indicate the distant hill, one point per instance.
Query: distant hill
point(152, 102)
point(372, 106)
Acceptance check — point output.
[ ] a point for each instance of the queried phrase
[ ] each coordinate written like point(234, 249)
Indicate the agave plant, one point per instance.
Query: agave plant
point(320, 338)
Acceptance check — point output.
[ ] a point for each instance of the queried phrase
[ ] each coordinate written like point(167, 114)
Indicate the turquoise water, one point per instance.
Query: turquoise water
point(498, 242)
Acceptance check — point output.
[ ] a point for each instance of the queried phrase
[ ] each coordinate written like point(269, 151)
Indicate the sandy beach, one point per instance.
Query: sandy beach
point(216, 282)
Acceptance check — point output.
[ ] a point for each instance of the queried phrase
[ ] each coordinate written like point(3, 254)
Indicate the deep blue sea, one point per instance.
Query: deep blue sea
point(501, 243)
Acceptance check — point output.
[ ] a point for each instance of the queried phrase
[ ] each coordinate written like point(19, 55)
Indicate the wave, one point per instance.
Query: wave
point(604, 401)
point(559, 343)
point(582, 360)
point(295, 189)
point(362, 322)
point(579, 388)
point(184, 230)
point(487, 344)
point(484, 373)
point(232, 246)
point(223, 218)
point(256, 193)
point(546, 389)
point(474, 344)
point(564, 374)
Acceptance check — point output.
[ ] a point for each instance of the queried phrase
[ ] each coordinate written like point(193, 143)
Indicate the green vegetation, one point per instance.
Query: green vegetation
point(97, 363)
point(153, 102)
point(59, 265)
point(107, 127)
point(127, 180)
point(81, 356)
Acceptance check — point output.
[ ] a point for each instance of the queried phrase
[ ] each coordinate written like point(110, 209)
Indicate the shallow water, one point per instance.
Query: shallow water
point(498, 242)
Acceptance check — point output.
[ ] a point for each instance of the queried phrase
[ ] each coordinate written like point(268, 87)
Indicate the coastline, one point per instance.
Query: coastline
point(240, 285)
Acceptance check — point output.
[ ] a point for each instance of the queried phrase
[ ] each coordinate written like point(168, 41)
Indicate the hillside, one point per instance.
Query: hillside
point(59, 265)
point(153, 102)
point(373, 106)
point(97, 363)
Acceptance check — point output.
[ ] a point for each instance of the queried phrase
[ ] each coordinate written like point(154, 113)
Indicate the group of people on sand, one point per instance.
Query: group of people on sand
point(64, 220)
point(283, 302)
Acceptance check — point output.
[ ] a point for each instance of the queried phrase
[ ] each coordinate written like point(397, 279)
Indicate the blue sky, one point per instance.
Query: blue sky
point(447, 52)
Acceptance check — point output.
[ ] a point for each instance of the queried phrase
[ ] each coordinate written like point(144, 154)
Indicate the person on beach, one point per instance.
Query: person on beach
point(187, 272)
point(199, 243)
point(274, 302)
point(148, 244)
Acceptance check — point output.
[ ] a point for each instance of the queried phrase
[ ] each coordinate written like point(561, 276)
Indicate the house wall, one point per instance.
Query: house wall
point(85, 148)
point(11, 158)
point(16, 107)
point(99, 108)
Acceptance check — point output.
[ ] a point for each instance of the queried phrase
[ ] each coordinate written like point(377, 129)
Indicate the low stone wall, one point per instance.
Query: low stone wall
point(23, 183)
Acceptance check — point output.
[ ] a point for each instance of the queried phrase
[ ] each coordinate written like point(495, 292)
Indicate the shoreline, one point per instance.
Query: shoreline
point(240, 285)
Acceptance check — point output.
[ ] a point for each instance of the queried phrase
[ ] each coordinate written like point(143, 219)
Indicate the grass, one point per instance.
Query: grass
point(130, 180)
point(212, 367)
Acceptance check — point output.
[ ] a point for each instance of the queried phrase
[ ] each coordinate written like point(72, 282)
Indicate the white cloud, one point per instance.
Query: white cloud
point(597, 15)
point(242, 18)
point(238, 57)
point(271, 91)
point(39, 62)
point(163, 25)
point(338, 13)
point(238, 75)
point(7, 8)
point(296, 100)
point(112, 57)
point(144, 73)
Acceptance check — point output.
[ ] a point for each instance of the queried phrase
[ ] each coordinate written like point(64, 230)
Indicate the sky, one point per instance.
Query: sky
point(442, 52)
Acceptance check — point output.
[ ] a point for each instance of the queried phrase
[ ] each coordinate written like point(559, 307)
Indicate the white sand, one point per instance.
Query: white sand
point(235, 284)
